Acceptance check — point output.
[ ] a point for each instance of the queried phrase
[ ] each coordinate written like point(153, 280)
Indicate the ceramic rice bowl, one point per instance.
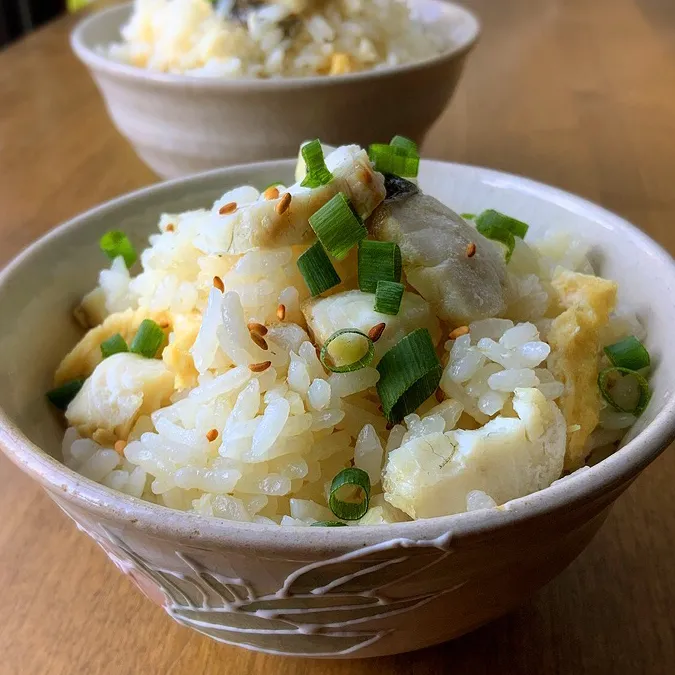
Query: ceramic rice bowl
point(326, 592)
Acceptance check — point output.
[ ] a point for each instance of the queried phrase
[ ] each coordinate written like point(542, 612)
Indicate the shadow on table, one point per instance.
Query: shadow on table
point(494, 649)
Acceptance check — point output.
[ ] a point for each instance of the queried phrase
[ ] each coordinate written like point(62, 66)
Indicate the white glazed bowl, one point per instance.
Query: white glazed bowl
point(182, 124)
point(343, 592)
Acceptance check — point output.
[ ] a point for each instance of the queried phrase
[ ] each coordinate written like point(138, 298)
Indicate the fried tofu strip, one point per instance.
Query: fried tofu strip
point(575, 344)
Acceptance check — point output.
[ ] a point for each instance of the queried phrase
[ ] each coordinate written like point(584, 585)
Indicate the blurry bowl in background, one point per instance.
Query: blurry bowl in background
point(182, 124)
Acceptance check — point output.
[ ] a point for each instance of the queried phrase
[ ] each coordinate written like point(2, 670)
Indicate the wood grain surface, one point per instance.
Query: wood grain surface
point(577, 93)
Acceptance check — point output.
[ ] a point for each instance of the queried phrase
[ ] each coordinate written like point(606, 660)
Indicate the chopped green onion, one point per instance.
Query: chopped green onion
point(628, 353)
point(63, 395)
point(267, 187)
point(409, 373)
point(113, 345)
point(317, 173)
point(317, 269)
point(76, 5)
point(492, 218)
point(468, 216)
point(115, 244)
point(378, 261)
point(148, 339)
point(501, 236)
point(405, 144)
point(393, 159)
point(354, 478)
point(388, 296)
point(503, 229)
point(339, 229)
point(328, 523)
point(356, 364)
point(643, 394)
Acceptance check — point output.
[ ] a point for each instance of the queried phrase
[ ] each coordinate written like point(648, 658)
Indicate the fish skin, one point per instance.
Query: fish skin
point(433, 241)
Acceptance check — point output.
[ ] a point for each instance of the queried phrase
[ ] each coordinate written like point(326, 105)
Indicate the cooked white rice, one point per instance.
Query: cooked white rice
point(281, 39)
point(263, 447)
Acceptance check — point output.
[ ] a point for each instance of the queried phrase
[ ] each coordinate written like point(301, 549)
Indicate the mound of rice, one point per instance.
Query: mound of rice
point(255, 432)
point(281, 39)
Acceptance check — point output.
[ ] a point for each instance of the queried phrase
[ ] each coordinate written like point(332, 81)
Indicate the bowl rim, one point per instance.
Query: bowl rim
point(98, 62)
point(614, 472)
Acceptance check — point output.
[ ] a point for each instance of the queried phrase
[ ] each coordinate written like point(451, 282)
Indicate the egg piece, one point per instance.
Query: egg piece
point(575, 340)
point(86, 355)
point(284, 221)
point(435, 244)
point(356, 309)
point(507, 458)
point(121, 389)
point(176, 354)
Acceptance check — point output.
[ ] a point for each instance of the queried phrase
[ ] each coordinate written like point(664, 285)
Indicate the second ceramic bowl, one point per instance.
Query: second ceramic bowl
point(181, 124)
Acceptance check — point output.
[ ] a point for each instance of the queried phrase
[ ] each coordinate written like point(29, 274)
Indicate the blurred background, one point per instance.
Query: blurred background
point(18, 17)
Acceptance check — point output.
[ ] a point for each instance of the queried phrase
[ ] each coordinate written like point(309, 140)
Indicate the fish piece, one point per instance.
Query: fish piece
point(507, 458)
point(380, 512)
point(434, 241)
point(398, 188)
point(574, 338)
point(86, 355)
point(355, 309)
point(121, 389)
point(262, 225)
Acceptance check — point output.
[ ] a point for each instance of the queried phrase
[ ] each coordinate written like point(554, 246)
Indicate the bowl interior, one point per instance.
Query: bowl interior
point(104, 27)
point(40, 288)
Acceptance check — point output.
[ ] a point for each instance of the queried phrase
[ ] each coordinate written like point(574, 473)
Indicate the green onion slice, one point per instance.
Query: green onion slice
point(63, 395)
point(358, 481)
point(409, 373)
point(492, 218)
point(643, 395)
point(628, 353)
point(267, 187)
point(317, 173)
point(378, 261)
point(388, 296)
point(393, 159)
point(115, 244)
point(351, 351)
point(339, 229)
point(76, 5)
point(148, 339)
point(328, 523)
point(317, 269)
point(113, 345)
point(405, 144)
point(468, 216)
point(499, 235)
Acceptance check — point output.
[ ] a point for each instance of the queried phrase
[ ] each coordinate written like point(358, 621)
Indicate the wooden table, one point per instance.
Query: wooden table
point(578, 93)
